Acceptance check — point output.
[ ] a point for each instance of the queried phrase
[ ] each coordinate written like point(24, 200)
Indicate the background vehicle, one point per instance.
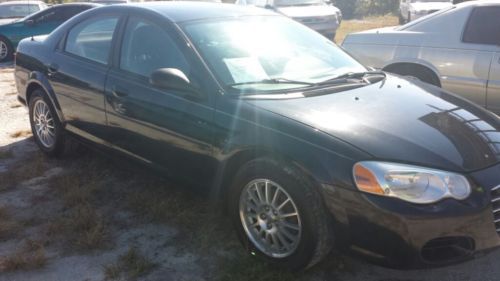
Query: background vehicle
point(316, 14)
point(39, 23)
point(215, 98)
point(110, 2)
point(13, 10)
point(457, 49)
point(413, 9)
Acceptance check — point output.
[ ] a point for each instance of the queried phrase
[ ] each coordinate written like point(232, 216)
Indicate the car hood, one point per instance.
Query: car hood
point(430, 6)
point(397, 120)
point(307, 11)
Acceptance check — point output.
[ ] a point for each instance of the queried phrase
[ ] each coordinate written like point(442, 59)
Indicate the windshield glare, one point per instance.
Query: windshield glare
point(17, 11)
point(259, 48)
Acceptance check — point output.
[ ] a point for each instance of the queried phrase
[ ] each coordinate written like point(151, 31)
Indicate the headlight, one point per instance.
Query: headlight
point(410, 183)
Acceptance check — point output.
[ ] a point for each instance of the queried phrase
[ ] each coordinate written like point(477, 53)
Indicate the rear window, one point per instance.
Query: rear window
point(17, 10)
point(483, 26)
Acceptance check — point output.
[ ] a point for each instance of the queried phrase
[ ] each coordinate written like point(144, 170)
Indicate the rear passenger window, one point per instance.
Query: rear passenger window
point(91, 39)
point(148, 47)
point(483, 26)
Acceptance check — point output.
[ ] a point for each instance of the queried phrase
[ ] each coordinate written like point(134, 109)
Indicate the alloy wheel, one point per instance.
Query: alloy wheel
point(44, 124)
point(270, 218)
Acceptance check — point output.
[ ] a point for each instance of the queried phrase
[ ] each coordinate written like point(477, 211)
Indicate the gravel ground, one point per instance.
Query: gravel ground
point(139, 242)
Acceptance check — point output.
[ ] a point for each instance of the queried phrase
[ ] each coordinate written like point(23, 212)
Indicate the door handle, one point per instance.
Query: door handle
point(52, 69)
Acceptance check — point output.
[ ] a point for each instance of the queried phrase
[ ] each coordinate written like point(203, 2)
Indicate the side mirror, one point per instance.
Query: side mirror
point(29, 23)
point(171, 79)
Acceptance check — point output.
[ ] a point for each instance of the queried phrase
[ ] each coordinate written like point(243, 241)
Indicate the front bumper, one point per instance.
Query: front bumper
point(399, 234)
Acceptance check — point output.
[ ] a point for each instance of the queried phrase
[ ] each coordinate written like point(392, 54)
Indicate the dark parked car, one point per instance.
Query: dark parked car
point(305, 145)
point(39, 23)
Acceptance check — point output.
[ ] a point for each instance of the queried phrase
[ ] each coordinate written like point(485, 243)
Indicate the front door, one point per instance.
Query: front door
point(171, 128)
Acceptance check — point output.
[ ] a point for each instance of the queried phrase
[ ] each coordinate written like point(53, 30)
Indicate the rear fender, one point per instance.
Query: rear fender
point(37, 78)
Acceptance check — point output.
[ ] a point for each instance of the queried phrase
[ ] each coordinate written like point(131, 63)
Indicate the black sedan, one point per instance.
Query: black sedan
point(307, 147)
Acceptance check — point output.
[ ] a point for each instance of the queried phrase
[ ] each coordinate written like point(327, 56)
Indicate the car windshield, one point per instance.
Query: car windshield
point(244, 51)
point(17, 10)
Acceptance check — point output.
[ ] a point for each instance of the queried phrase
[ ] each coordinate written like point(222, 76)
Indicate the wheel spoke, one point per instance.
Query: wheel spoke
point(259, 193)
point(294, 214)
point(252, 196)
point(266, 191)
point(289, 225)
point(276, 193)
point(283, 204)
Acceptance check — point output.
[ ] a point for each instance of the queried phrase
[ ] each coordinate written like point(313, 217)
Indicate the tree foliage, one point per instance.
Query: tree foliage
point(362, 8)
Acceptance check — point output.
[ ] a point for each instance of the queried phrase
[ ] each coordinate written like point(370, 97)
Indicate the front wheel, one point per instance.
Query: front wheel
point(6, 49)
point(279, 215)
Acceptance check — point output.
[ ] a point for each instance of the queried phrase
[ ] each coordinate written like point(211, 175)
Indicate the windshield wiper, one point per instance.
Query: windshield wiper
point(274, 81)
point(350, 75)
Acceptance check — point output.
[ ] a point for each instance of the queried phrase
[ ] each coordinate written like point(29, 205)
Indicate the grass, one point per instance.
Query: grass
point(21, 133)
point(6, 154)
point(356, 25)
point(28, 169)
point(132, 264)
point(7, 227)
point(32, 256)
point(81, 224)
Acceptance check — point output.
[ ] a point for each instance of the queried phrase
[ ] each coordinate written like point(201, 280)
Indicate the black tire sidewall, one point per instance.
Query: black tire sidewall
point(10, 49)
point(291, 181)
point(57, 148)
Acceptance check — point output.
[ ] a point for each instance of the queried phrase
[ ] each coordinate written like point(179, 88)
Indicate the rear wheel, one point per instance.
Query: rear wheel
point(45, 125)
point(279, 215)
point(6, 49)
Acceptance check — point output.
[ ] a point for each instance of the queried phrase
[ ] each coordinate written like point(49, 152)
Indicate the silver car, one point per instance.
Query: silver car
point(318, 15)
point(413, 9)
point(456, 48)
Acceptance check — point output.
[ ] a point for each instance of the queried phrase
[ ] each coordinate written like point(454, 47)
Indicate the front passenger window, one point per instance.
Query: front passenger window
point(148, 47)
point(91, 39)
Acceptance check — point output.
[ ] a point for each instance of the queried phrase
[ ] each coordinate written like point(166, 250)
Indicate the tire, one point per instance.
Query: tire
point(313, 236)
point(416, 72)
point(45, 125)
point(6, 50)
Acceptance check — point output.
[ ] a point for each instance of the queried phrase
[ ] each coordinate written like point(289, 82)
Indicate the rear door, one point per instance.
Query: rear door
point(483, 30)
point(170, 128)
point(78, 71)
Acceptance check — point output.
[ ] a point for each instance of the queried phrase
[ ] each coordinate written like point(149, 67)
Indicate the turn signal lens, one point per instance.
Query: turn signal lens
point(410, 183)
point(366, 180)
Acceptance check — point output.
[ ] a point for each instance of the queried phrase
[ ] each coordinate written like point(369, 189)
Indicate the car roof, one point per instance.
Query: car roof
point(180, 11)
point(21, 2)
